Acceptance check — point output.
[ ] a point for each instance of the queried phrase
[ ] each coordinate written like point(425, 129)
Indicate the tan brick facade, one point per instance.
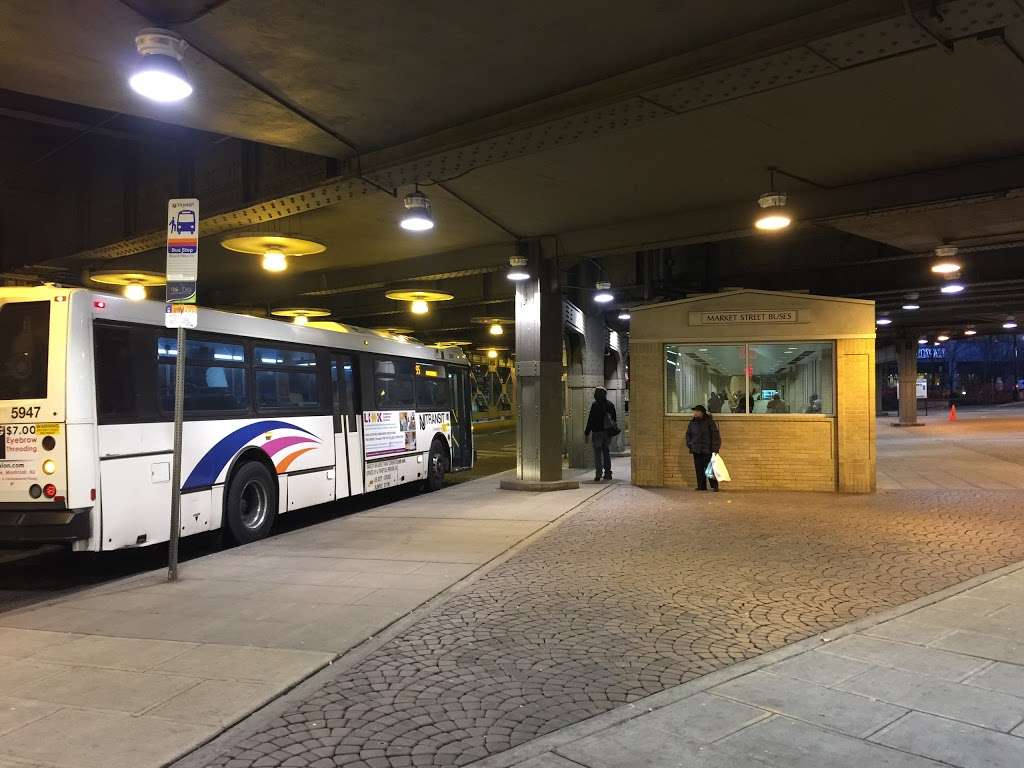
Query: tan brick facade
point(804, 452)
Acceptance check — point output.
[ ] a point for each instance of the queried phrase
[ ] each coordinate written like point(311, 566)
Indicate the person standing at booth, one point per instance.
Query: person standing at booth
point(703, 439)
point(600, 422)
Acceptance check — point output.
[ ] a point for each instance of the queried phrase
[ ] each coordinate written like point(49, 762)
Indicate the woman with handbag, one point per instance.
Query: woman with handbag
point(702, 440)
point(601, 428)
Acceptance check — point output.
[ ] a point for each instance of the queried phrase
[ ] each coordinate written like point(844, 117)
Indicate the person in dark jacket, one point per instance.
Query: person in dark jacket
point(601, 411)
point(703, 439)
point(715, 403)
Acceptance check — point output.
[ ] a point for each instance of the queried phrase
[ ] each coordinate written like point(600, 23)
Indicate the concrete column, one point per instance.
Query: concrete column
point(906, 360)
point(539, 379)
point(586, 372)
point(615, 383)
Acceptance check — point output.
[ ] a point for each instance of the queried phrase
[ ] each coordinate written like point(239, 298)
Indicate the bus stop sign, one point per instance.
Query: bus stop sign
point(182, 250)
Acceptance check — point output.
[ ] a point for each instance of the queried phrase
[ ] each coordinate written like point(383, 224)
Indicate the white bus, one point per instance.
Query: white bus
point(277, 417)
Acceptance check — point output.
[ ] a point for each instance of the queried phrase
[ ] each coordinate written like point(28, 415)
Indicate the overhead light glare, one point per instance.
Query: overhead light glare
point(604, 292)
point(942, 337)
point(922, 340)
point(951, 288)
point(492, 354)
point(275, 261)
point(911, 307)
point(496, 329)
point(300, 320)
point(883, 321)
point(624, 316)
point(135, 292)
point(969, 332)
point(419, 307)
point(417, 216)
point(1011, 323)
point(947, 263)
point(159, 74)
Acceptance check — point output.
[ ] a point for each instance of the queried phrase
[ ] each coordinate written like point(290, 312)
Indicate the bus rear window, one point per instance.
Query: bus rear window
point(24, 343)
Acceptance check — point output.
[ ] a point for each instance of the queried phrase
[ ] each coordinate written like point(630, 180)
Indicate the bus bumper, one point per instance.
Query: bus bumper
point(44, 526)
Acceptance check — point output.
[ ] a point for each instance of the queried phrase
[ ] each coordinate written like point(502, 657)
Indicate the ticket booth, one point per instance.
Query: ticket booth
point(789, 377)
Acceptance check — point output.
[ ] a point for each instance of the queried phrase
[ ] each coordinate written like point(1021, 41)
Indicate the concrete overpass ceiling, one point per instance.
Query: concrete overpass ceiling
point(618, 132)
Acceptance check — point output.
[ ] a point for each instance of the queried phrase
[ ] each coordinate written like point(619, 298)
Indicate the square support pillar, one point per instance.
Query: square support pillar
point(906, 351)
point(539, 378)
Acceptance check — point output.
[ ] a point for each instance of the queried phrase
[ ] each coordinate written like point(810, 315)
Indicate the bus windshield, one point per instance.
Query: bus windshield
point(24, 341)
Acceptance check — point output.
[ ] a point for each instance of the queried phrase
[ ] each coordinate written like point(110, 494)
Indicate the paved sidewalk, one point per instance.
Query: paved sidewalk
point(942, 684)
point(138, 672)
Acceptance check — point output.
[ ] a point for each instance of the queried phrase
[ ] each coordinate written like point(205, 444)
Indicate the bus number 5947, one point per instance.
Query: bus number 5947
point(25, 412)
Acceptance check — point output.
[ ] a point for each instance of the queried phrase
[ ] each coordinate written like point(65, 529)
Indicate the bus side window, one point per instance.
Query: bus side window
point(432, 388)
point(115, 385)
point(393, 383)
point(286, 378)
point(215, 375)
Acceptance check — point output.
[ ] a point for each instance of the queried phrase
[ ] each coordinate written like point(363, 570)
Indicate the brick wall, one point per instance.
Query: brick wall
point(646, 412)
point(855, 387)
point(772, 452)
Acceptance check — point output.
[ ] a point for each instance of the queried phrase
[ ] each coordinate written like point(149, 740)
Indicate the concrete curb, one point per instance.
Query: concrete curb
point(643, 706)
point(538, 485)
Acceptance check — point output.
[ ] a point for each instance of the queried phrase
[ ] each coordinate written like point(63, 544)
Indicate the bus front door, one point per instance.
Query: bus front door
point(462, 427)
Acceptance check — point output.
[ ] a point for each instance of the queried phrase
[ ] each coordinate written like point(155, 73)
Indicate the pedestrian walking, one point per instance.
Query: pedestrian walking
point(703, 439)
point(601, 427)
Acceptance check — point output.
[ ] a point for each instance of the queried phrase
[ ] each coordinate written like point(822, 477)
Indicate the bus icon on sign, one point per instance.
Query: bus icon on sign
point(186, 222)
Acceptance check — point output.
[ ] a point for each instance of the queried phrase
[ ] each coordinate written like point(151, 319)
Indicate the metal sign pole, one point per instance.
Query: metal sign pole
point(180, 313)
point(179, 412)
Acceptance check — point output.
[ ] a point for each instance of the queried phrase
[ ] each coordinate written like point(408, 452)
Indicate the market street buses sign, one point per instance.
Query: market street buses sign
point(744, 317)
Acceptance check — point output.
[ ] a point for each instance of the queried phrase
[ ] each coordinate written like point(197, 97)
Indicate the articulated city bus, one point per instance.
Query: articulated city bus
point(277, 417)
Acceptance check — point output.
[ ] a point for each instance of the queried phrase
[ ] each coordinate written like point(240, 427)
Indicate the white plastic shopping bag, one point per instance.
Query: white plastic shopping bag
point(718, 467)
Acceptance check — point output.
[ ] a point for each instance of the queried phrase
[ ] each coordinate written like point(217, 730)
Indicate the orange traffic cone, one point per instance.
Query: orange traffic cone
point(952, 412)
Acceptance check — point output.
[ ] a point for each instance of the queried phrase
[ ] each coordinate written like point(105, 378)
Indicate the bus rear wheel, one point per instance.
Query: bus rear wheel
point(435, 467)
point(251, 503)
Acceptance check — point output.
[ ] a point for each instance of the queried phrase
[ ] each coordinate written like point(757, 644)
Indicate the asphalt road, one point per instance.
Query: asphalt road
point(35, 575)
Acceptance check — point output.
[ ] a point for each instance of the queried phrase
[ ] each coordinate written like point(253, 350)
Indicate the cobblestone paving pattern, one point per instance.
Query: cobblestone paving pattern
point(641, 590)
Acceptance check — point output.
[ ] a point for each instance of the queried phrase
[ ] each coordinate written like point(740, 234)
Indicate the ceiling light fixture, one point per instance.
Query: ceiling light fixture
point(300, 315)
point(496, 329)
point(774, 214)
point(159, 74)
point(492, 354)
point(922, 340)
point(419, 298)
point(953, 287)
point(275, 248)
point(947, 263)
point(942, 337)
point(517, 271)
point(417, 216)
point(883, 320)
point(624, 316)
point(969, 332)
point(604, 292)
point(1011, 322)
point(133, 284)
point(910, 306)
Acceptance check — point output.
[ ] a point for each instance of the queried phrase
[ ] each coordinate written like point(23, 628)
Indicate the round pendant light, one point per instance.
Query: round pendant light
point(946, 262)
point(774, 214)
point(132, 283)
point(517, 269)
point(392, 330)
point(942, 337)
point(1010, 323)
point(495, 325)
point(300, 315)
point(969, 332)
point(603, 293)
point(417, 216)
point(419, 299)
point(159, 74)
point(275, 248)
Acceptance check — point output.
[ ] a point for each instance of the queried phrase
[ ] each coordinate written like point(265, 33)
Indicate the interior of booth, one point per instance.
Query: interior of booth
point(763, 378)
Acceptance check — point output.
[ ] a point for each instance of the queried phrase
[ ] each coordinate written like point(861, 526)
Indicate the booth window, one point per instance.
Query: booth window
point(769, 379)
